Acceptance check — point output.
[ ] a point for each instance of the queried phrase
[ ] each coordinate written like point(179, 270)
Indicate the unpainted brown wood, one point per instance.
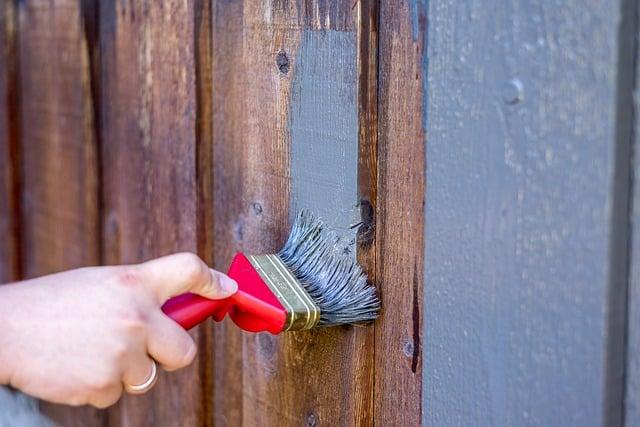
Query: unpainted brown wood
point(303, 378)
point(58, 152)
point(148, 123)
point(229, 151)
point(9, 191)
point(367, 242)
point(204, 178)
point(400, 218)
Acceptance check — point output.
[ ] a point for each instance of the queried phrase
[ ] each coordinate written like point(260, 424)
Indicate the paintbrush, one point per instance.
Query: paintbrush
point(307, 284)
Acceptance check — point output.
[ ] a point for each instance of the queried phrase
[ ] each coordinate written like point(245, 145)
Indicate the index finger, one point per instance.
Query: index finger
point(184, 272)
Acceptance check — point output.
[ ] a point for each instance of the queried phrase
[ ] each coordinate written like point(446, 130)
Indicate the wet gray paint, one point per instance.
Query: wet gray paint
point(520, 153)
point(324, 131)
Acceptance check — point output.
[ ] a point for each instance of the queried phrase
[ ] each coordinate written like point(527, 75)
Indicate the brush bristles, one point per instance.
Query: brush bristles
point(335, 281)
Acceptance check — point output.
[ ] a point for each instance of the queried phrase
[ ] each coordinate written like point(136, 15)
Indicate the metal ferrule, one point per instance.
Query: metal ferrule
point(302, 312)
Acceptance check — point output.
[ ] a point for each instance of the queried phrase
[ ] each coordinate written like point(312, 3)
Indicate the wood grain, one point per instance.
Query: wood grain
point(306, 378)
point(59, 155)
point(204, 181)
point(228, 117)
point(148, 133)
point(9, 161)
point(400, 215)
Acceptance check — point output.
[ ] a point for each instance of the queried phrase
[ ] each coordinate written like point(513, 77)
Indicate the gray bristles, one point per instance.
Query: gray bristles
point(335, 281)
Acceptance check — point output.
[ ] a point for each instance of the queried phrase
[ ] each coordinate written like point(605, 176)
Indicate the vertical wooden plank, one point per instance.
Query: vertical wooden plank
point(59, 170)
point(9, 196)
point(521, 293)
point(229, 154)
point(204, 178)
point(632, 378)
point(265, 58)
point(400, 216)
point(148, 122)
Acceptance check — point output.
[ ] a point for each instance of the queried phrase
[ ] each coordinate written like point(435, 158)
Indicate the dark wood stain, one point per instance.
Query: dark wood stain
point(10, 216)
point(150, 171)
point(58, 153)
point(400, 216)
point(172, 121)
point(204, 186)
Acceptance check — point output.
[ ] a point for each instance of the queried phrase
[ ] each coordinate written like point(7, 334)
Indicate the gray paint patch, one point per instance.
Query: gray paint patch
point(518, 211)
point(324, 131)
point(632, 397)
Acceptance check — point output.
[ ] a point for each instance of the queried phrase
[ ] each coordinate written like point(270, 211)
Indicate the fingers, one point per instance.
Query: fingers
point(107, 396)
point(184, 272)
point(139, 369)
point(169, 344)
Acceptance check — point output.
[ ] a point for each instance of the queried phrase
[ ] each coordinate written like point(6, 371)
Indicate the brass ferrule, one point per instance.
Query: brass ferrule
point(302, 312)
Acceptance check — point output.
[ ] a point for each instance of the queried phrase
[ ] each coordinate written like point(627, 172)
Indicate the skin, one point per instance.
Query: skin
point(76, 337)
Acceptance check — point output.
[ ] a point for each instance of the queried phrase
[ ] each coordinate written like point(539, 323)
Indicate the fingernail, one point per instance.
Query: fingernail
point(228, 285)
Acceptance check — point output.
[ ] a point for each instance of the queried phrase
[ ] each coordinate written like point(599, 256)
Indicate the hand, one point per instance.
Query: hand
point(75, 337)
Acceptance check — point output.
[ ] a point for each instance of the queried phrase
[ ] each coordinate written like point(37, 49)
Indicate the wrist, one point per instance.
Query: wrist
point(7, 333)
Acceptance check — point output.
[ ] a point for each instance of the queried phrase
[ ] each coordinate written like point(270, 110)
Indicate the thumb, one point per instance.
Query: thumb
point(176, 274)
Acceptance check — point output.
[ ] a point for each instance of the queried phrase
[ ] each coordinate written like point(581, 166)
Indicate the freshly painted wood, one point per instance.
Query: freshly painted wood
point(299, 378)
point(400, 221)
point(9, 196)
point(58, 152)
point(521, 297)
point(148, 134)
point(324, 159)
point(632, 119)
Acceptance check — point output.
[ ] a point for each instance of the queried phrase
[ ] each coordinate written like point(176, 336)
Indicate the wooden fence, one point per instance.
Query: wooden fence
point(132, 129)
point(479, 157)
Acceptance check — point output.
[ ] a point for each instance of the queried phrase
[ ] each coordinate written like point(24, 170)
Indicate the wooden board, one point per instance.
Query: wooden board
point(265, 58)
point(524, 248)
point(58, 152)
point(9, 197)
point(632, 119)
point(400, 216)
point(148, 134)
point(204, 179)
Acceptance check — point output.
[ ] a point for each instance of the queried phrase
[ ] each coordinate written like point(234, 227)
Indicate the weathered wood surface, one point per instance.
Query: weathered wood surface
point(204, 182)
point(59, 159)
point(268, 65)
point(522, 295)
point(203, 126)
point(148, 134)
point(9, 198)
point(400, 219)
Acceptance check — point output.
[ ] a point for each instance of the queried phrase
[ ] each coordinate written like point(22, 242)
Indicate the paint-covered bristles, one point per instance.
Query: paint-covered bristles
point(334, 280)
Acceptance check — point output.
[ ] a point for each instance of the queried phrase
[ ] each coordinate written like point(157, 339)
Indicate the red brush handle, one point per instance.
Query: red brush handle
point(189, 309)
point(253, 308)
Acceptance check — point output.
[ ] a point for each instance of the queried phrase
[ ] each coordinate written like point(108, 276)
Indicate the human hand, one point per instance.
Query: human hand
point(76, 337)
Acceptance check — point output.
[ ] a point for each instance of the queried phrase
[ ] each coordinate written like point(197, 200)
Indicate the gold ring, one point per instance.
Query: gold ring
point(145, 386)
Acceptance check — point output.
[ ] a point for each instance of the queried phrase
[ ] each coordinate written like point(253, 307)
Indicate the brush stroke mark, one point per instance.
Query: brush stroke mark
point(324, 132)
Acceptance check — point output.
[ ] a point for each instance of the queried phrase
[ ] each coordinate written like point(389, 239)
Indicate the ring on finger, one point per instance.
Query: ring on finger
point(145, 386)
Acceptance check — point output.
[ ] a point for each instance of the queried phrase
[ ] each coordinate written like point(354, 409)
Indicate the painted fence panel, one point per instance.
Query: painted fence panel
point(525, 250)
